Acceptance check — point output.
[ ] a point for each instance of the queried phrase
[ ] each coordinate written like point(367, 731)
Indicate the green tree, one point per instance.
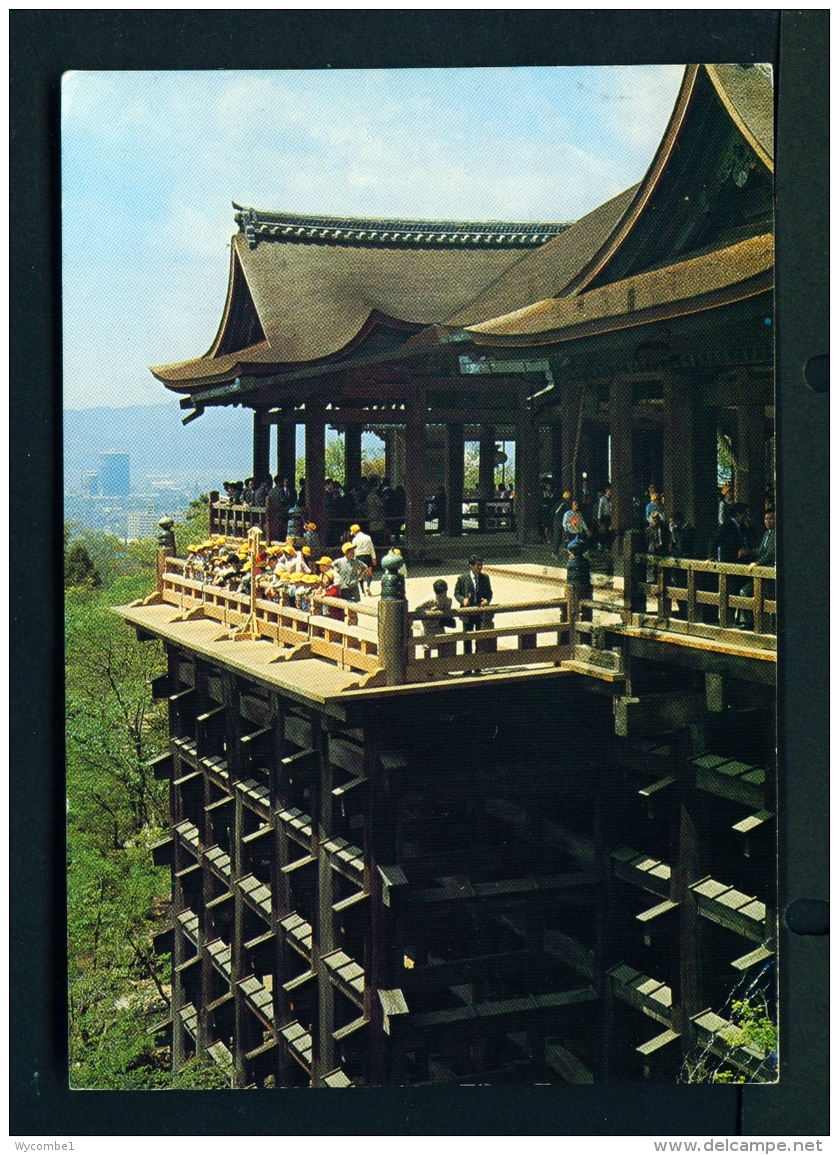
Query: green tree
point(194, 526)
point(79, 570)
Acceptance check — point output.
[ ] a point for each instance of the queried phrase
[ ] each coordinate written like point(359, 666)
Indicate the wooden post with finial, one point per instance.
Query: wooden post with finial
point(249, 632)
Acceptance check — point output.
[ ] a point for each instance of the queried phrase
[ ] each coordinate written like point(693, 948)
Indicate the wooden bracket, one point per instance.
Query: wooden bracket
point(295, 654)
point(370, 681)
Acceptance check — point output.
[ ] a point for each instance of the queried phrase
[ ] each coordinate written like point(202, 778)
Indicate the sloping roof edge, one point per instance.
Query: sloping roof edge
point(716, 278)
point(734, 105)
point(735, 108)
point(645, 189)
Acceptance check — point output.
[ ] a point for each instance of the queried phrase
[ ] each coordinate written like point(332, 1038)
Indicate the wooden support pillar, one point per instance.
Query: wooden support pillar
point(234, 768)
point(261, 447)
point(677, 478)
point(571, 400)
point(180, 860)
point(620, 428)
point(315, 462)
point(454, 480)
point(486, 462)
point(352, 455)
point(280, 886)
point(750, 474)
point(690, 457)
point(527, 475)
point(323, 1051)
point(686, 980)
point(415, 487)
point(556, 457)
point(287, 446)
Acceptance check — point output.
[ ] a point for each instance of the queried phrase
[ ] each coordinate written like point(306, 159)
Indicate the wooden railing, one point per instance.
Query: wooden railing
point(479, 516)
point(362, 643)
point(538, 641)
point(703, 598)
point(345, 642)
point(236, 520)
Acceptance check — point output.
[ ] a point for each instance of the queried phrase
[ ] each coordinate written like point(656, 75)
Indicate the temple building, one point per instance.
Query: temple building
point(387, 867)
point(657, 305)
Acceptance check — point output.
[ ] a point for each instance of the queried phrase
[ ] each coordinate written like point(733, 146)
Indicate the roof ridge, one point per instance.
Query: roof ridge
point(258, 225)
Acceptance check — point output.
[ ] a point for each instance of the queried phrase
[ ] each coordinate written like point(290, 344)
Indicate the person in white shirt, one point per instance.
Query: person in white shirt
point(365, 551)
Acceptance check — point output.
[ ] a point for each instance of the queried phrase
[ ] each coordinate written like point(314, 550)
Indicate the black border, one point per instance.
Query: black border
point(43, 44)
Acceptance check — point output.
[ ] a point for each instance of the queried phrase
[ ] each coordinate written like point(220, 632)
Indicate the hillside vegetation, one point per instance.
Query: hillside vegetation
point(116, 898)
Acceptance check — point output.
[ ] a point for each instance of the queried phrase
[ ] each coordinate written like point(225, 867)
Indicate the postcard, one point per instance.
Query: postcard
point(421, 608)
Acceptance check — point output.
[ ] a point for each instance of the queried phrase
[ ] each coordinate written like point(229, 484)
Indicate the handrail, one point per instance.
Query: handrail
point(300, 633)
point(736, 569)
point(242, 505)
point(710, 590)
point(342, 603)
point(492, 608)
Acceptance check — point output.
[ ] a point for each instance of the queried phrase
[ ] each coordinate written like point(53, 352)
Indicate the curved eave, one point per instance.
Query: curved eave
point(708, 282)
point(228, 305)
point(734, 102)
point(757, 135)
point(645, 189)
point(183, 376)
point(257, 360)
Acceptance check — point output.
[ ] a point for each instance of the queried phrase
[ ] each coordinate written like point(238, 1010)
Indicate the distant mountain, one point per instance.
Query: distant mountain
point(218, 445)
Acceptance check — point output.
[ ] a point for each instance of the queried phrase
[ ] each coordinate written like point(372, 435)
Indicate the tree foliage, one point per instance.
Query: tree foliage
point(79, 570)
point(117, 898)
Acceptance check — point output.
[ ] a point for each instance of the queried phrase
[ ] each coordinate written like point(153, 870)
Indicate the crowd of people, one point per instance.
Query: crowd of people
point(295, 572)
point(567, 520)
point(372, 499)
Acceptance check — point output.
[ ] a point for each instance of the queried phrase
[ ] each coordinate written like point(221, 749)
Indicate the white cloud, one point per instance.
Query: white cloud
point(152, 161)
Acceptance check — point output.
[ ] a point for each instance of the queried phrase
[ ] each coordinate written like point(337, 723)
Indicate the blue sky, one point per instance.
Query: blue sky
point(152, 160)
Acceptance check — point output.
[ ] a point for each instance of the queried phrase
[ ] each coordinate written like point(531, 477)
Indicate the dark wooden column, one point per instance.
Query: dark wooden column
point(690, 456)
point(556, 455)
point(486, 461)
point(454, 480)
point(527, 474)
point(679, 422)
point(237, 959)
point(287, 447)
point(315, 461)
point(352, 455)
point(323, 929)
point(620, 428)
point(415, 471)
point(261, 446)
point(750, 474)
point(571, 397)
point(280, 888)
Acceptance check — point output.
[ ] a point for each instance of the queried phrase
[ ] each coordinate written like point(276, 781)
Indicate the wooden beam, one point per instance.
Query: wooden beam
point(657, 713)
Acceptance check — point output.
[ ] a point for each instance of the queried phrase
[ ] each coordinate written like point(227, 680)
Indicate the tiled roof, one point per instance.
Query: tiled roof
point(267, 226)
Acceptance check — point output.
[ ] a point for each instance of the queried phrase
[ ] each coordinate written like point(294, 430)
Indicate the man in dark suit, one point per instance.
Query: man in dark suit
point(729, 542)
point(473, 588)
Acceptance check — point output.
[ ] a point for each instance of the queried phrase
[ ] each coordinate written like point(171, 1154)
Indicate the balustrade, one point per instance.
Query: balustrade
point(702, 597)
